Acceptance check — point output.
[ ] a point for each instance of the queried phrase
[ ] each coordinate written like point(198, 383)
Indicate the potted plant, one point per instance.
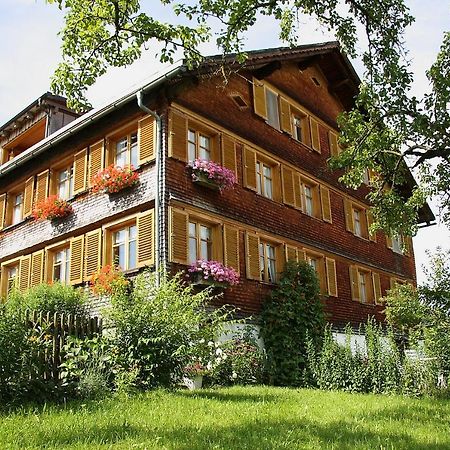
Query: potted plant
point(212, 175)
point(193, 375)
point(52, 208)
point(114, 179)
point(213, 273)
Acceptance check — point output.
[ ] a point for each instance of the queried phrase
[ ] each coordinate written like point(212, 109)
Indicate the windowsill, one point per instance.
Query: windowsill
point(16, 225)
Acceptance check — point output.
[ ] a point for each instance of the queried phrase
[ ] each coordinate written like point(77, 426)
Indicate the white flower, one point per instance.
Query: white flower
point(202, 341)
point(210, 344)
point(219, 351)
point(224, 356)
point(234, 375)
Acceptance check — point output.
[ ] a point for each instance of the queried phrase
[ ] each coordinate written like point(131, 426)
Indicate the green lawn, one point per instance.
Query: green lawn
point(236, 418)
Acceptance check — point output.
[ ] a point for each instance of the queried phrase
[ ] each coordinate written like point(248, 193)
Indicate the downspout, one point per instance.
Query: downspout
point(159, 188)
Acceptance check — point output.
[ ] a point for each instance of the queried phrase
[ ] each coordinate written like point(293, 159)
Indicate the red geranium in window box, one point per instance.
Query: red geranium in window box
point(114, 178)
point(108, 280)
point(52, 208)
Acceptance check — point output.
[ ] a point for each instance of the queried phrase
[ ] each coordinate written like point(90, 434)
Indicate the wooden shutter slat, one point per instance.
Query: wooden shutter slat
point(145, 238)
point(24, 273)
point(298, 191)
point(287, 181)
point(389, 242)
point(301, 254)
point(231, 247)
point(229, 153)
point(333, 143)
point(285, 109)
point(42, 183)
point(178, 136)
point(179, 229)
point(250, 168)
point(2, 210)
point(326, 205)
point(93, 252)
point(348, 215)
point(28, 197)
point(354, 282)
point(37, 268)
point(372, 236)
point(315, 139)
point(259, 98)
point(76, 259)
point(80, 172)
point(147, 139)
point(96, 159)
point(376, 286)
point(252, 251)
point(331, 277)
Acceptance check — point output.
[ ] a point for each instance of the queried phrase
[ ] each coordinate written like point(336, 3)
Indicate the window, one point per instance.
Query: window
point(362, 282)
point(124, 247)
point(309, 200)
point(126, 151)
point(61, 265)
point(365, 285)
point(267, 262)
point(64, 180)
point(317, 262)
point(273, 115)
point(357, 222)
point(12, 273)
point(17, 208)
point(200, 242)
point(199, 145)
point(300, 128)
point(397, 244)
point(9, 277)
point(310, 194)
point(264, 179)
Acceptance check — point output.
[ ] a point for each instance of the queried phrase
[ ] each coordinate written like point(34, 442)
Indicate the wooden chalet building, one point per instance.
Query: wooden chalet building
point(273, 123)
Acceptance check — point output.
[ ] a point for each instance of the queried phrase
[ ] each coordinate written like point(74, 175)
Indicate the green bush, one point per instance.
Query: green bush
point(292, 312)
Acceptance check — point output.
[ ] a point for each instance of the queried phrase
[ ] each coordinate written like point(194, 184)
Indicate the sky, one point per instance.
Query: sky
point(30, 52)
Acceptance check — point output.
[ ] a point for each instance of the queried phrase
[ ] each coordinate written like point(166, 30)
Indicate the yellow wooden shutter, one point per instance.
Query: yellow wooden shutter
point(146, 238)
point(42, 186)
point(301, 254)
point(389, 242)
point(287, 178)
point(408, 245)
point(354, 282)
point(376, 286)
point(252, 252)
point(291, 253)
point(215, 149)
point(298, 191)
point(2, 210)
point(147, 139)
point(24, 273)
point(28, 193)
point(229, 153)
point(315, 138)
point(348, 209)
point(37, 268)
point(178, 136)
point(231, 247)
point(285, 109)
point(325, 202)
point(331, 277)
point(372, 236)
point(259, 98)
point(250, 168)
point(80, 172)
point(333, 143)
point(92, 252)
point(96, 159)
point(76, 259)
point(179, 229)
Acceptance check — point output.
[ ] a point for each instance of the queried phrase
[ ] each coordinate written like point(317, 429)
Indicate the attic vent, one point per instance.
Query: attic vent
point(315, 81)
point(240, 102)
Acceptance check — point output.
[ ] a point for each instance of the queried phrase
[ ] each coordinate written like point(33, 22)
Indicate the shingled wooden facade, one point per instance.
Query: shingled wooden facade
point(273, 123)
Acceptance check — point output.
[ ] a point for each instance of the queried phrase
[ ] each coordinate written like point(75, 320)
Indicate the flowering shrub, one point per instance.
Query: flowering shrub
point(107, 280)
point(51, 208)
point(215, 271)
point(114, 178)
point(223, 177)
point(195, 368)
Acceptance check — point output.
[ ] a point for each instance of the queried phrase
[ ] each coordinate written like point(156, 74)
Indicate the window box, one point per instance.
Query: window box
point(52, 208)
point(212, 175)
point(114, 179)
point(213, 273)
point(202, 179)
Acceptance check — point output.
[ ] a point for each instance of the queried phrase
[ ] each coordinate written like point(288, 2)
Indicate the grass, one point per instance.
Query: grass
point(234, 418)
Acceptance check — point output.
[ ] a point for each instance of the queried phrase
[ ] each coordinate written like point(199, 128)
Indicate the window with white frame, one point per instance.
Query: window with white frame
point(17, 208)
point(124, 246)
point(200, 241)
point(397, 243)
point(273, 114)
point(61, 265)
point(64, 183)
point(126, 150)
point(264, 179)
point(267, 262)
point(199, 145)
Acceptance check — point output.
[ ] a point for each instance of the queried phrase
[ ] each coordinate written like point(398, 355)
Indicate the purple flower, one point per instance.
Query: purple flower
point(215, 271)
point(223, 177)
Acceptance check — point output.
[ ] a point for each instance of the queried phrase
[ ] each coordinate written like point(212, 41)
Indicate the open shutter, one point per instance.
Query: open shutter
point(24, 273)
point(376, 286)
point(315, 139)
point(37, 268)
point(76, 259)
point(179, 229)
point(96, 159)
point(372, 236)
point(147, 139)
point(389, 242)
point(348, 215)
point(146, 238)
point(2, 210)
point(333, 143)
point(92, 252)
point(325, 202)
point(231, 247)
point(42, 186)
point(331, 277)
point(285, 109)
point(291, 253)
point(259, 98)
point(177, 136)
point(252, 252)
point(229, 153)
point(408, 245)
point(80, 172)
point(249, 168)
point(287, 178)
point(28, 193)
point(354, 282)
point(298, 191)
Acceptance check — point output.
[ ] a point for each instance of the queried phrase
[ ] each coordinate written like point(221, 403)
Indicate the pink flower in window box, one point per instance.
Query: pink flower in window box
point(215, 272)
point(212, 174)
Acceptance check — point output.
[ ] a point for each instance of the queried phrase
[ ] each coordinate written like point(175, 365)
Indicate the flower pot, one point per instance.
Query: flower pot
point(202, 180)
point(199, 280)
point(193, 382)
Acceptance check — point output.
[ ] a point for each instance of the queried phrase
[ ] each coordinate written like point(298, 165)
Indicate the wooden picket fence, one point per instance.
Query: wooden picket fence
point(53, 331)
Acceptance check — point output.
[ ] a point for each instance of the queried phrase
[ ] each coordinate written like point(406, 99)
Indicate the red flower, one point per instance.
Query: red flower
point(114, 178)
point(107, 280)
point(51, 208)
